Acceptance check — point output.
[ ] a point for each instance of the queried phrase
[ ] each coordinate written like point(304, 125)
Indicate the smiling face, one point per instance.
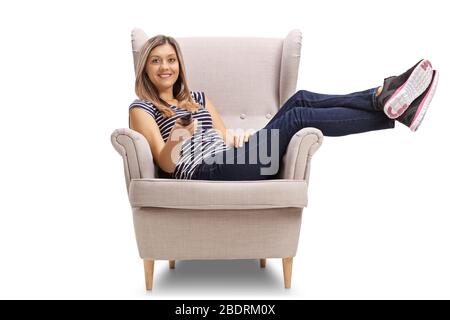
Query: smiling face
point(162, 67)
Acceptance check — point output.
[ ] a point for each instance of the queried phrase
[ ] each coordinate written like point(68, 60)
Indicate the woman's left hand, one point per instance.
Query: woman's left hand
point(239, 137)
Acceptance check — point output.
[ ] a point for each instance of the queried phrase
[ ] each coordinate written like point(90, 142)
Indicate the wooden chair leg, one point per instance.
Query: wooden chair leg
point(148, 269)
point(287, 271)
point(262, 263)
point(172, 264)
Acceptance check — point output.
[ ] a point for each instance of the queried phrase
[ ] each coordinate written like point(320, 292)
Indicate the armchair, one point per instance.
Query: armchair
point(189, 219)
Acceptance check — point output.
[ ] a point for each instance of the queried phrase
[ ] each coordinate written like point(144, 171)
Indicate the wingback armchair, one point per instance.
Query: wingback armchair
point(248, 79)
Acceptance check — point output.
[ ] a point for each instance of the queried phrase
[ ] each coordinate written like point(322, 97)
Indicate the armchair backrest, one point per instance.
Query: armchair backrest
point(248, 79)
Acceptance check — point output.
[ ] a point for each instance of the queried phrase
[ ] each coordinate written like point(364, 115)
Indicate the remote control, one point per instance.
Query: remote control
point(186, 119)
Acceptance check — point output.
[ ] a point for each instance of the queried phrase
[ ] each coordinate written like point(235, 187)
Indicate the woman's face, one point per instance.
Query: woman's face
point(162, 67)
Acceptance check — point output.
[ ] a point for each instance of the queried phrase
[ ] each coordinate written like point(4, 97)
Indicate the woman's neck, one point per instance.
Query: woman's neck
point(167, 95)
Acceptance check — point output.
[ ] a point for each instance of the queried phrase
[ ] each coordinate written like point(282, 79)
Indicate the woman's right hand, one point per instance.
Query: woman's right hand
point(183, 132)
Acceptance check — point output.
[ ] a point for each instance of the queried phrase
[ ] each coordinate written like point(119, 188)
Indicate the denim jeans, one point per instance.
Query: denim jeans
point(334, 115)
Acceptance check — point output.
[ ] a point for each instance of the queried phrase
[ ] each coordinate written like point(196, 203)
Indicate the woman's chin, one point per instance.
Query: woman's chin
point(165, 86)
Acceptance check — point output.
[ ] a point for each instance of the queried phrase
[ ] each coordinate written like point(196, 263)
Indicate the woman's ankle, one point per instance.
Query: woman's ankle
point(379, 91)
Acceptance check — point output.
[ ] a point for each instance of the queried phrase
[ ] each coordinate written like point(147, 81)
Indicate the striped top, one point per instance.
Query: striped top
point(205, 141)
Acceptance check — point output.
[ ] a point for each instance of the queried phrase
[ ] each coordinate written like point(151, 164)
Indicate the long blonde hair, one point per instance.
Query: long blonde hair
point(146, 90)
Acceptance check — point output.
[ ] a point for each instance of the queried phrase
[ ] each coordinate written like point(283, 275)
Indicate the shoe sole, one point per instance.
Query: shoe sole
point(417, 83)
point(423, 107)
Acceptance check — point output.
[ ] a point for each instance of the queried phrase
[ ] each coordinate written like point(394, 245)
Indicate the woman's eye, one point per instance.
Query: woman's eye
point(172, 60)
point(155, 60)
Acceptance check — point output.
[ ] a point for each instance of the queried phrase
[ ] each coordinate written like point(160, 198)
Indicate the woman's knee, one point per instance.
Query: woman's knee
point(302, 98)
point(302, 94)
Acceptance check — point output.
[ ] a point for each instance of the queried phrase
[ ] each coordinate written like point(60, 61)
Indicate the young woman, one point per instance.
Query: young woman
point(206, 150)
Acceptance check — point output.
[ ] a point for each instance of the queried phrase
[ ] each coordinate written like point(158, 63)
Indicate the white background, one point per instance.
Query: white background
point(378, 221)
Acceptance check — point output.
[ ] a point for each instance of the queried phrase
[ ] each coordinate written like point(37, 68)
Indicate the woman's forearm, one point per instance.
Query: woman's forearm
point(169, 155)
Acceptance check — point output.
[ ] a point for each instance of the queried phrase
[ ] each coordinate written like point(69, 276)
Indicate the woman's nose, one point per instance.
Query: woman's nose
point(164, 65)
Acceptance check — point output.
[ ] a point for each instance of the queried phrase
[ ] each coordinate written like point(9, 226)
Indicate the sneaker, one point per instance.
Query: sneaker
point(414, 115)
point(400, 91)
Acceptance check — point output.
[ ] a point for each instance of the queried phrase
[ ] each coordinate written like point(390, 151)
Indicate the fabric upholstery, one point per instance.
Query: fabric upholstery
point(135, 151)
point(204, 195)
point(300, 150)
point(221, 234)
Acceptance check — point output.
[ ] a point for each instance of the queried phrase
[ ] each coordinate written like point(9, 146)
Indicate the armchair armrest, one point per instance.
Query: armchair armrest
point(136, 154)
point(296, 162)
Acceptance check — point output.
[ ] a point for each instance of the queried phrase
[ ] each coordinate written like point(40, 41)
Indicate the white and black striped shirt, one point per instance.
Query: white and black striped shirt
point(205, 142)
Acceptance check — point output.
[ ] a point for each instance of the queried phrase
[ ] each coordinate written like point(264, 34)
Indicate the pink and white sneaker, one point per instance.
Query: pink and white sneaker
point(400, 91)
point(414, 114)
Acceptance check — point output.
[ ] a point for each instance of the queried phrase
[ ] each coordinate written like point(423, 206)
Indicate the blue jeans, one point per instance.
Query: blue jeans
point(334, 115)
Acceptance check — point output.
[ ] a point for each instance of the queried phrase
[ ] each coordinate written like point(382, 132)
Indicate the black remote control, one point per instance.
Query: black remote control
point(186, 119)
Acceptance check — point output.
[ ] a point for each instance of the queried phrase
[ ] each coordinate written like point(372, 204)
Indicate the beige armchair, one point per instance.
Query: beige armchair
point(248, 79)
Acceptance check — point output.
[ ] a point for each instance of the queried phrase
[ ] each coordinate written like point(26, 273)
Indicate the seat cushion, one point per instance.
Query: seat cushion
point(206, 194)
